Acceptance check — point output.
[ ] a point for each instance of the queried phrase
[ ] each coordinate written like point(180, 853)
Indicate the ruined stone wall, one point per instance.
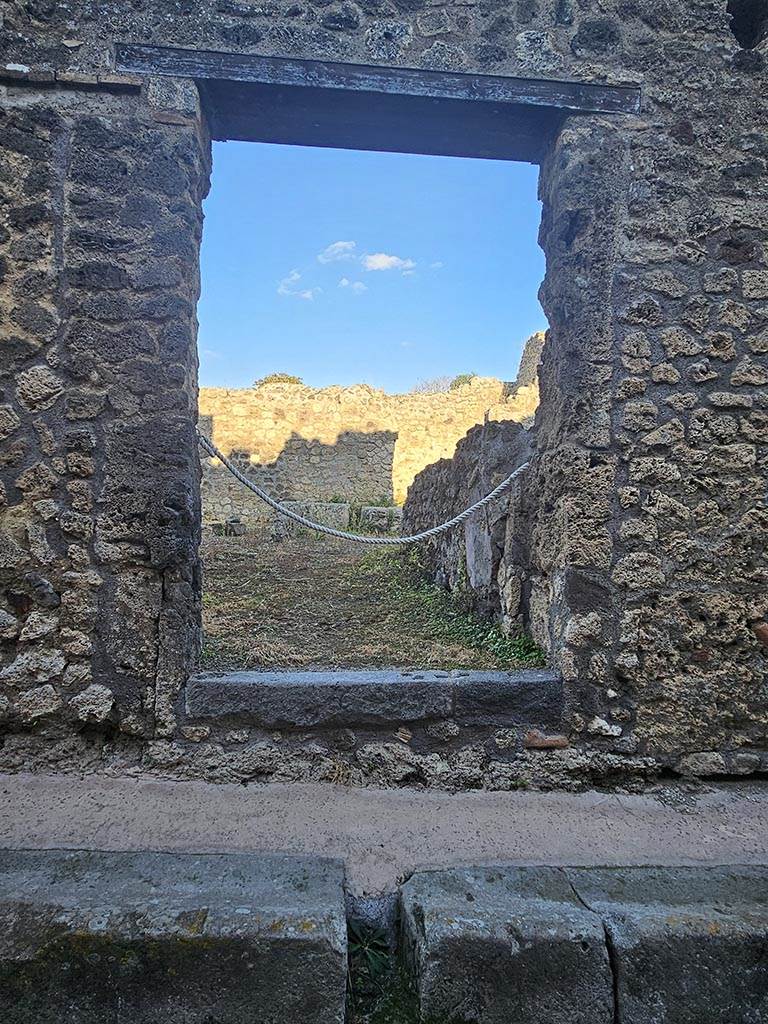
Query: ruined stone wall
point(100, 518)
point(471, 560)
point(355, 443)
point(642, 521)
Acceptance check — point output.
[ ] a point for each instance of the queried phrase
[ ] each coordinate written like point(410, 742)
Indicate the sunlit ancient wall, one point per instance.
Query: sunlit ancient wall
point(355, 443)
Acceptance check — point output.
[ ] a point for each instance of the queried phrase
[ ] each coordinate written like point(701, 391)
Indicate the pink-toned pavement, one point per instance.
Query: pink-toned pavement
point(384, 835)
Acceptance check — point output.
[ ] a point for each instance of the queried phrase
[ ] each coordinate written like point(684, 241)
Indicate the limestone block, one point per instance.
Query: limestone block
point(94, 704)
point(703, 763)
point(37, 703)
point(38, 387)
point(494, 945)
point(34, 665)
point(755, 284)
point(91, 937)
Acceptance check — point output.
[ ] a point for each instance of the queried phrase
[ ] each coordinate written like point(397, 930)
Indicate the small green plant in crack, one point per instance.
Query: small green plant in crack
point(371, 966)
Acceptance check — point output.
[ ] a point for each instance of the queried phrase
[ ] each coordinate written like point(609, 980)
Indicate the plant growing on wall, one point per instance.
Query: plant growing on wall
point(461, 380)
point(278, 378)
point(431, 386)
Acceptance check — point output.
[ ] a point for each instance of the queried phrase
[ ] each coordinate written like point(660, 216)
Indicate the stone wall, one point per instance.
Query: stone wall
point(644, 510)
point(354, 443)
point(100, 518)
point(471, 560)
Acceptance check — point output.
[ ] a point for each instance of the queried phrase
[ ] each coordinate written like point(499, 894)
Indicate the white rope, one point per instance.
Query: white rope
point(213, 451)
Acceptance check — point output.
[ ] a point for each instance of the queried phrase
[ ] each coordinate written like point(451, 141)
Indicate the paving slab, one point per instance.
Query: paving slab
point(688, 945)
point(496, 945)
point(95, 937)
point(384, 834)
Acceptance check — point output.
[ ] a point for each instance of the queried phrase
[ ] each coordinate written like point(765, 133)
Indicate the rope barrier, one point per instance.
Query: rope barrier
point(435, 531)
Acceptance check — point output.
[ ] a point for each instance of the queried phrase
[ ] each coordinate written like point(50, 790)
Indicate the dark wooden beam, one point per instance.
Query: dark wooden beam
point(285, 71)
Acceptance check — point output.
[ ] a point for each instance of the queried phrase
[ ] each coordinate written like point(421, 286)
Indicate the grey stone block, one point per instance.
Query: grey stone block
point(497, 945)
point(277, 700)
point(381, 519)
point(689, 945)
point(312, 699)
point(532, 696)
point(328, 513)
point(152, 938)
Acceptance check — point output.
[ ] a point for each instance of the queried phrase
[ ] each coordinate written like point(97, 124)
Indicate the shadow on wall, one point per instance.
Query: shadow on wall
point(356, 468)
point(476, 560)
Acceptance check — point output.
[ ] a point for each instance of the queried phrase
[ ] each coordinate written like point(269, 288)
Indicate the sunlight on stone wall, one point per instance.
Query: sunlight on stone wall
point(355, 443)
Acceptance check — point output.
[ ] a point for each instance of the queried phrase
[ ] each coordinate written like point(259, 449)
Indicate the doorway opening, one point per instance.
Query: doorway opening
point(361, 313)
point(250, 98)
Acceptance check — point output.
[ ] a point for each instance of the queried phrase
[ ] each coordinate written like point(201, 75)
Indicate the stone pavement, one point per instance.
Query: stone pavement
point(384, 835)
point(136, 900)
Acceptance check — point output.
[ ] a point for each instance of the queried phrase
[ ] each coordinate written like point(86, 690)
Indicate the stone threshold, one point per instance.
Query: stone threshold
point(333, 698)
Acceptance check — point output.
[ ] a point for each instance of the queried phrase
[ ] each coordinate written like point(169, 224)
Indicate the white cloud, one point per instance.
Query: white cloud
point(383, 261)
point(210, 353)
point(288, 287)
point(437, 265)
point(354, 286)
point(285, 287)
point(337, 251)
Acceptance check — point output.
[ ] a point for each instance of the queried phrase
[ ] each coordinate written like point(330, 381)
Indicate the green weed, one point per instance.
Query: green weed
point(440, 614)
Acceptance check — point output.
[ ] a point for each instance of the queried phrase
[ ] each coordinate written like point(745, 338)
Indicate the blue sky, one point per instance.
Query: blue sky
point(342, 266)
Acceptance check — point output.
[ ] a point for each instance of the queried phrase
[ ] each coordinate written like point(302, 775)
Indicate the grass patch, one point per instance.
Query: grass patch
point(323, 603)
point(440, 616)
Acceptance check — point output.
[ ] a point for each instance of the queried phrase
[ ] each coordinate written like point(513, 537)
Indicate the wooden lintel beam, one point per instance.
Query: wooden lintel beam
point(315, 74)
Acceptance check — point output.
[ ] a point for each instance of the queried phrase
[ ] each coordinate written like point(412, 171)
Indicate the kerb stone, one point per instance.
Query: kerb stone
point(141, 938)
point(495, 945)
point(688, 944)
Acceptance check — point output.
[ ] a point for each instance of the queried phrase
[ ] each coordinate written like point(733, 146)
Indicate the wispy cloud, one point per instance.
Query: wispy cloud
point(354, 286)
point(337, 251)
point(288, 287)
point(210, 353)
point(384, 261)
point(437, 265)
point(285, 287)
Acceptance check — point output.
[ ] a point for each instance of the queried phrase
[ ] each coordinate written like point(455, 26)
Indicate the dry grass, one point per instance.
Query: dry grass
point(319, 602)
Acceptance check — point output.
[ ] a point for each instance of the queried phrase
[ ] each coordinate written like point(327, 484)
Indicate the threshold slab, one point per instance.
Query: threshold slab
point(389, 696)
